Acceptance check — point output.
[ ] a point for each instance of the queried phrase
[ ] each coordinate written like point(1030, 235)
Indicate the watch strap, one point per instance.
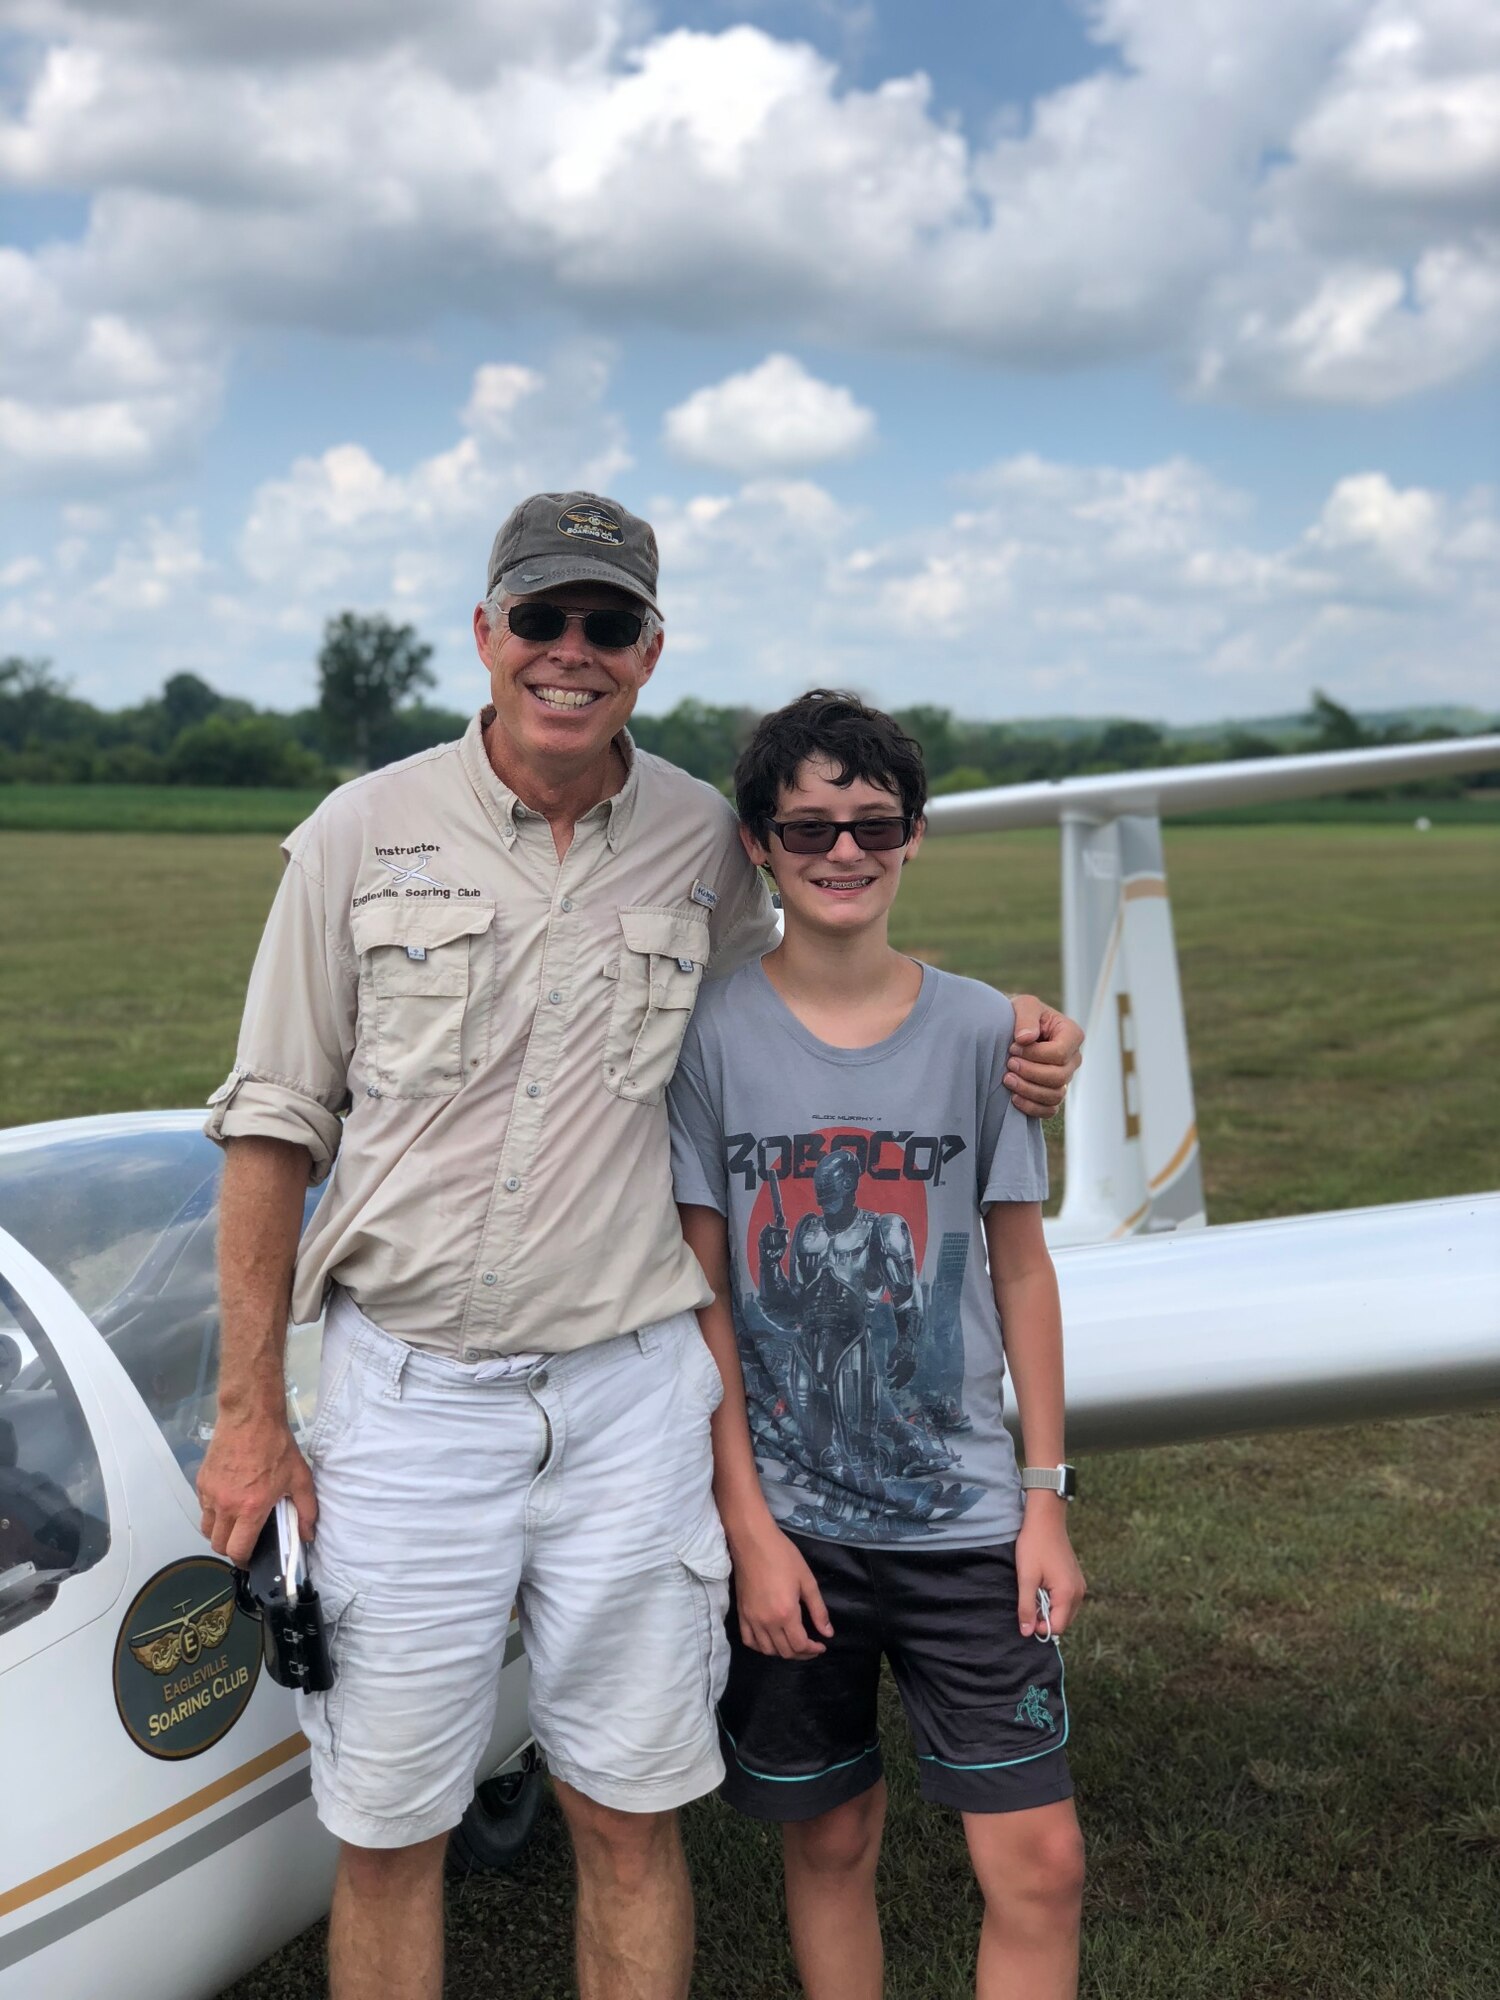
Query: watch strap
point(1059, 1479)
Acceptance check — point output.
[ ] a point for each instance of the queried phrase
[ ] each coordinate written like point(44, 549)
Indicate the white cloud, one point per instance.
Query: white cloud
point(746, 585)
point(341, 526)
point(1401, 533)
point(103, 606)
point(1365, 333)
point(1372, 260)
point(1142, 591)
point(774, 418)
point(152, 572)
point(468, 34)
point(335, 530)
point(1409, 121)
point(500, 387)
point(90, 394)
point(1091, 588)
point(1289, 198)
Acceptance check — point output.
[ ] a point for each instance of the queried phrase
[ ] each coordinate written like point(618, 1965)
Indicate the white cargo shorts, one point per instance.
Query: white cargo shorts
point(576, 1487)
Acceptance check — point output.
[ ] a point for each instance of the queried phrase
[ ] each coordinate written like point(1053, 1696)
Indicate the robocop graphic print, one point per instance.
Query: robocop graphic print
point(859, 1351)
point(853, 1184)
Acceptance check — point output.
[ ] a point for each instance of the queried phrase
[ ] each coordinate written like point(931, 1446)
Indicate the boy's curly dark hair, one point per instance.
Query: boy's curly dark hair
point(858, 741)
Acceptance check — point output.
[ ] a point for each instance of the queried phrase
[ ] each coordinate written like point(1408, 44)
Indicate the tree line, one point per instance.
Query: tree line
point(368, 712)
point(372, 675)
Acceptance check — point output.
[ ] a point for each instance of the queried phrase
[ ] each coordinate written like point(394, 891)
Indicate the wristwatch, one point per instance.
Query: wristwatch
point(1060, 1479)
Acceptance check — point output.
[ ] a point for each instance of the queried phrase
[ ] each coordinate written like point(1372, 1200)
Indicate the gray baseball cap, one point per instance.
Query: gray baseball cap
point(557, 538)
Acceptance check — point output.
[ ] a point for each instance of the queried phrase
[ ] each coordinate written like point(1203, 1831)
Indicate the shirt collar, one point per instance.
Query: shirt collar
point(622, 803)
point(502, 805)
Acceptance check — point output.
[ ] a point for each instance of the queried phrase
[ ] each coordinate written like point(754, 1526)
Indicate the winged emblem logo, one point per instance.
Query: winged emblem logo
point(191, 1631)
point(592, 524)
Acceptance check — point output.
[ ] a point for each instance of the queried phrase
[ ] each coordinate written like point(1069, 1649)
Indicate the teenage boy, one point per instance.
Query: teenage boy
point(866, 1205)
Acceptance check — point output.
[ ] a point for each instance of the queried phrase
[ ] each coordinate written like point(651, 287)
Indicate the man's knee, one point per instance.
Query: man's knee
point(624, 1849)
point(841, 1842)
point(391, 1873)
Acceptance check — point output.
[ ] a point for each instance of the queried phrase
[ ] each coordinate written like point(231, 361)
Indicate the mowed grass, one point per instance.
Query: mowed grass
point(114, 809)
point(124, 966)
point(1342, 988)
point(1283, 1687)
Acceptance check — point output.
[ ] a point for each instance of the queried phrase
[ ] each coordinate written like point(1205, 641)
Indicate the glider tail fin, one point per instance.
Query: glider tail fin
point(1132, 1134)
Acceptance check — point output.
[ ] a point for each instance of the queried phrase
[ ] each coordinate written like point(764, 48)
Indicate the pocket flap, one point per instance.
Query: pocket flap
point(704, 1551)
point(667, 933)
point(420, 926)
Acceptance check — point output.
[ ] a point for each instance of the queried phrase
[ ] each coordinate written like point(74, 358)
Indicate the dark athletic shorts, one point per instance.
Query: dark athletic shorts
point(986, 1706)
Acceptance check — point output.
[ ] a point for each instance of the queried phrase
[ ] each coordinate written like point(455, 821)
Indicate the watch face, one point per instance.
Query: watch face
point(1069, 1481)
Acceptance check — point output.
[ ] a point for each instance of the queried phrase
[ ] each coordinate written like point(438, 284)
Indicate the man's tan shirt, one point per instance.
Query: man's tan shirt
point(497, 1029)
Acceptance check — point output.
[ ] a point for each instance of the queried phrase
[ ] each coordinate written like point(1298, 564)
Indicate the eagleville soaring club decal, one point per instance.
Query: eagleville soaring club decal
point(186, 1661)
point(591, 524)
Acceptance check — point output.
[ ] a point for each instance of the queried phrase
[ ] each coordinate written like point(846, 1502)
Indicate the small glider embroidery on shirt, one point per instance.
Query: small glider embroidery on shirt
point(417, 874)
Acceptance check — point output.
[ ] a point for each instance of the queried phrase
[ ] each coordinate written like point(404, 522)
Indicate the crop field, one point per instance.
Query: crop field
point(1284, 1690)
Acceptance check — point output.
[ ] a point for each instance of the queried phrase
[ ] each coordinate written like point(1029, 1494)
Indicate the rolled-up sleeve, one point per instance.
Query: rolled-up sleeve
point(291, 1069)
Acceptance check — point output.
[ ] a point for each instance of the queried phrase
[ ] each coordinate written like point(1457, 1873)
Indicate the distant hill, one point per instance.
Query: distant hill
point(1284, 730)
point(1296, 728)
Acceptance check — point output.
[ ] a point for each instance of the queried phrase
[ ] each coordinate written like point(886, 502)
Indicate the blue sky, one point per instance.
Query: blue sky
point(1039, 359)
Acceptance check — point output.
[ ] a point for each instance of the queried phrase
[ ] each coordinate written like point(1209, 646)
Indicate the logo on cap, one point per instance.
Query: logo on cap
point(591, 524)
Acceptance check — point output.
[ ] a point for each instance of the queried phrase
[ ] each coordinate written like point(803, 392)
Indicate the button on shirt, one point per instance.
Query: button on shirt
point(473, 1039)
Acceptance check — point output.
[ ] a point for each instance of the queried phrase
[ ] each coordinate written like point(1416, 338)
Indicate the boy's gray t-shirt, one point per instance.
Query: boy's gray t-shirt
point(854, 1183)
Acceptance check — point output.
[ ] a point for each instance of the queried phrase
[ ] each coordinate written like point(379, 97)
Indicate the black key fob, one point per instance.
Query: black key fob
point(293, 1640)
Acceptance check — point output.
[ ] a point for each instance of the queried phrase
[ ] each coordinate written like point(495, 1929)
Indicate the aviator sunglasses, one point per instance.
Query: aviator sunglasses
point(608, 629)
point(817, 836)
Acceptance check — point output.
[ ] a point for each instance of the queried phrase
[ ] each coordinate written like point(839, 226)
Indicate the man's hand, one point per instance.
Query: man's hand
point(772, 1583)
point(1044, 1057)
point(250, 1463)
point(1045, 1561)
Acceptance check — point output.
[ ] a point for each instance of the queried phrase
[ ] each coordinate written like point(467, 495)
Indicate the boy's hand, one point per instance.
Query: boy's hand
point(772, 1583)
point(1045, 1560)
point(1044, 1057)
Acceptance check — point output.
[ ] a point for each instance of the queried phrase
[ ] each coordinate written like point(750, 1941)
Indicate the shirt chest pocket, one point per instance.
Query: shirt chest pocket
point(417, 966)
point(658, 973)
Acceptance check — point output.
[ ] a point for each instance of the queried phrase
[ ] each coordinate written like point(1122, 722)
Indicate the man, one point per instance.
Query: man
point(466, 1008)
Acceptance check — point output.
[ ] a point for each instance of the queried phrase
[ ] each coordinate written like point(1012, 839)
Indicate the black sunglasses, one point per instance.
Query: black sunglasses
point(818, 836)
point(609, 629)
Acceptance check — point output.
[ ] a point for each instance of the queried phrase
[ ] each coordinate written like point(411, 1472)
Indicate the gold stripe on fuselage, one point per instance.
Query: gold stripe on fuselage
point(162, 1822)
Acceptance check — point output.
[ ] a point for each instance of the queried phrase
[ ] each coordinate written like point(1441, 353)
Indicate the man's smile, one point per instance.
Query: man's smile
point(564, 697)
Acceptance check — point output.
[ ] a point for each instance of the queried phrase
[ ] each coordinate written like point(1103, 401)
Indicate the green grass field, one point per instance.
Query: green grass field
point(1287, 1726)
point(1475, 808)
point(218, 809)
point(151, 809)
